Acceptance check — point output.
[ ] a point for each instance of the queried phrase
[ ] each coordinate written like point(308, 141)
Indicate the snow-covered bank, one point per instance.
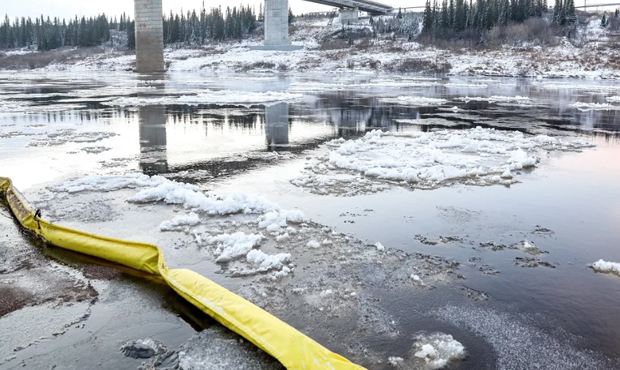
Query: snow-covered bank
point(376, 55)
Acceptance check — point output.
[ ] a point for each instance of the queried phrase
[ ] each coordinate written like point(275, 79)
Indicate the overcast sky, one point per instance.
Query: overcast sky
point(69, 8)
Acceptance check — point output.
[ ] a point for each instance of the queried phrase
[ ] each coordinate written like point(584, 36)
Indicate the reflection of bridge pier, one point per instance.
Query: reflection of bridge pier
point(153, 141)
point(277, 125)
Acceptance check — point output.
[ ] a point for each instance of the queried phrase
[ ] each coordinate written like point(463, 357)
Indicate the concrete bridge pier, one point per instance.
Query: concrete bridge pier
point(348, 16)
point(276, 23)
point(149, 36)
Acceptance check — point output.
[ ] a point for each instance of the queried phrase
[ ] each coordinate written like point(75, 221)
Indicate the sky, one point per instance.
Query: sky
point(69, 8)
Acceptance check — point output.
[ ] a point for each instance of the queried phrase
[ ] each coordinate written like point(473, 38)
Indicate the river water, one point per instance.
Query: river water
point(257, 133)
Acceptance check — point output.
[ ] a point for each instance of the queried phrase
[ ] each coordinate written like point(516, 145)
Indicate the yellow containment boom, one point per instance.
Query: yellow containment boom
point(280, 340)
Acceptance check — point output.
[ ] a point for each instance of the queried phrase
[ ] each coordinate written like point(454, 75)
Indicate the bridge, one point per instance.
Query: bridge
point(370, 7)
point(150, 29)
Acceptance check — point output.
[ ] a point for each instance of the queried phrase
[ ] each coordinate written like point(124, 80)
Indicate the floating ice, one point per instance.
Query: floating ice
point(607, 267)
point(585, 107)
point(179, 222)
point(438, 349)
point(420, 101)
point(275, 220)
point(498, 99)
point(190, 197)
point(613, 99)
point(208, 97)
point(231, 246)
point(476, 156)
point(108, 183)
point(265, 261)
point(380, 247)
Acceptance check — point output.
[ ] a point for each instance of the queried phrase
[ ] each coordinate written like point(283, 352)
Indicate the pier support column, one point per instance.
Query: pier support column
point(149, 36)
point(276, 23)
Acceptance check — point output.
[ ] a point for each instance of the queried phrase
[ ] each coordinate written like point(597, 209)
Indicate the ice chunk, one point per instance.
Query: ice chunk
point(438, 349)
point(232, 246)
point(419, 101)
point(379, 246)
point(265, 261)
point(190, 197)
point(605, 266)
point(585, 107)
point(180, 221)
point(313, 244)
point(274, 220)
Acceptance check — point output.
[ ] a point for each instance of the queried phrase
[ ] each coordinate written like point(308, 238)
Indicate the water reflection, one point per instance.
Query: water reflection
point(277, 126)
point(153, 140)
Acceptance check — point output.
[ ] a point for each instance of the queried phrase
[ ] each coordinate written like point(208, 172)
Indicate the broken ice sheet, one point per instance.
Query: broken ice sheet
point(427, 160)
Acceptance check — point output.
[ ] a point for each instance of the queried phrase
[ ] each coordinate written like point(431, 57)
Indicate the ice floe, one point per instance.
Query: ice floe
point(108, 183)
point(438, 350)
point(190, 197)
point(478, 156)
point(420, 101)
point(498, 99)
point(613, 99)
point(208, 97)
point(585, 107)
point(606, 266)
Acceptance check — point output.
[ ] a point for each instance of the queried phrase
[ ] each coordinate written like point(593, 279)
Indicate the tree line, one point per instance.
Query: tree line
point(459, 17)
point(45, 33)
point(233, 23)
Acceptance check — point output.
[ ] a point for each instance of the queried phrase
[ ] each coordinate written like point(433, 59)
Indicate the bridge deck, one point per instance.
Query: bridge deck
point(363, 5)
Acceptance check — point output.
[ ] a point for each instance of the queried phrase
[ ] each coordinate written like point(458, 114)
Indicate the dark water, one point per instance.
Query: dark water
point(573, 197)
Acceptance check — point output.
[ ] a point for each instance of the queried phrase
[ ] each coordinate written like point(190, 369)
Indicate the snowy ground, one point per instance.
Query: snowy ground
point(596, 57)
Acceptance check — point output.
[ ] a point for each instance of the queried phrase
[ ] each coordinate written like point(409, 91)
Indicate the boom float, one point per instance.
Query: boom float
point(292, 348)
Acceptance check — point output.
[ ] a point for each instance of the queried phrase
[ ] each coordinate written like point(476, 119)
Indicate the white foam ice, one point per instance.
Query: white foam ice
point(420, 101)
point(606, 266)
point(429, 159)
point(438, 350)
point(180, 222)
